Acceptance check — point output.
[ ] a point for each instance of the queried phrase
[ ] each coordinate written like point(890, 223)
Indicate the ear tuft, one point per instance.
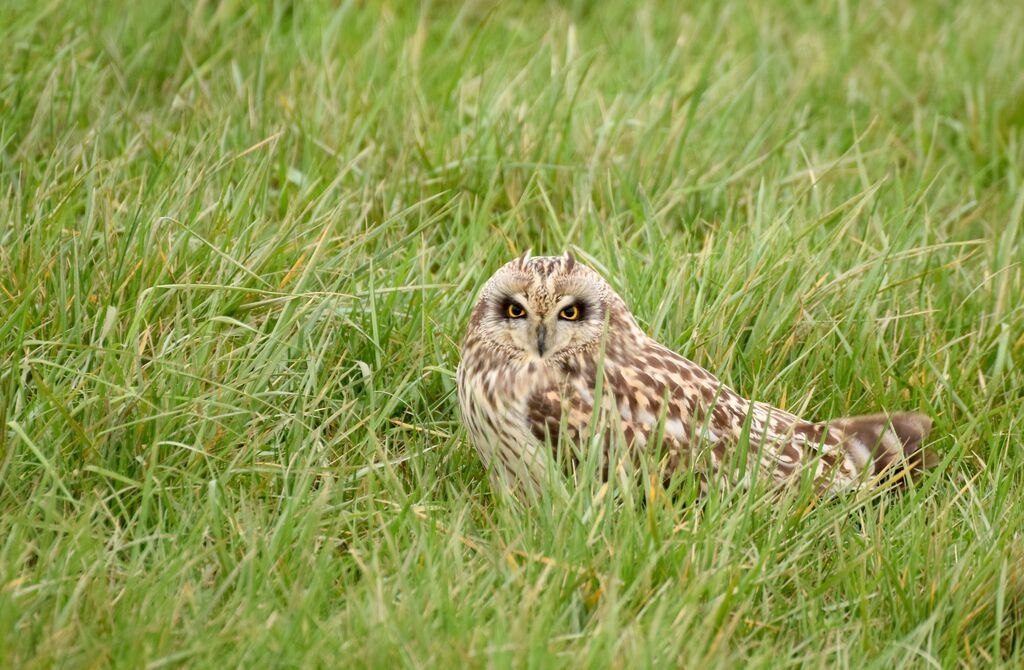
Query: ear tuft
point(524, 258)
point(570, 261)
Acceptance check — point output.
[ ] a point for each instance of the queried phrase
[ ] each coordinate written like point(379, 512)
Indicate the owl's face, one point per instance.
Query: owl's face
point(544, 308)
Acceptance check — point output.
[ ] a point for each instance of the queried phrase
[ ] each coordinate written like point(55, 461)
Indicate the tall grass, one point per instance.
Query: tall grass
point(239, 243)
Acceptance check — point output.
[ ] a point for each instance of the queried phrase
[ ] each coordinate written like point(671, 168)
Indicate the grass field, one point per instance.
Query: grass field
point(239, 243)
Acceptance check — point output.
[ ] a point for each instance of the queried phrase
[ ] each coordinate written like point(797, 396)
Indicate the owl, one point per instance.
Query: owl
point(553, 360)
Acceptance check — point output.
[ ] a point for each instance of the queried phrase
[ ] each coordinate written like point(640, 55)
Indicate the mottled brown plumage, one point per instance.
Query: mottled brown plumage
point(545, 329)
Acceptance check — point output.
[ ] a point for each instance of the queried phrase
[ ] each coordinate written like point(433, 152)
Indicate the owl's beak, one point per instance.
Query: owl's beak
point(541, 334)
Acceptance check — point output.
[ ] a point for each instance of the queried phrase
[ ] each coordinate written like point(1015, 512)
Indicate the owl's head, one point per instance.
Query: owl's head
point(547, 307)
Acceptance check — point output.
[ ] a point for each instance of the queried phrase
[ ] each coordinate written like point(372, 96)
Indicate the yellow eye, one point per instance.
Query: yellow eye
point(514, 311)
point(570, 313)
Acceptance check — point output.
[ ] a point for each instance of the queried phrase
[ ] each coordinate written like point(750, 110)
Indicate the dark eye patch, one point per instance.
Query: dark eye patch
point(509, 308)
point(582, 311)
point(573, 312)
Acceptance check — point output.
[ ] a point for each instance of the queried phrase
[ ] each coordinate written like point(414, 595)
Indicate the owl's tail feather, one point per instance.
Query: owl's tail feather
point(882, 443)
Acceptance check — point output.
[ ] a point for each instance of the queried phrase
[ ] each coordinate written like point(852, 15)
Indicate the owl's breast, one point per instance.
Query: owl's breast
point(494, 396)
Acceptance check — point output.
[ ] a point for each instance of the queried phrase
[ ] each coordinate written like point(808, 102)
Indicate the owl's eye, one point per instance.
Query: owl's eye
point(515, 311)
point(570, 313)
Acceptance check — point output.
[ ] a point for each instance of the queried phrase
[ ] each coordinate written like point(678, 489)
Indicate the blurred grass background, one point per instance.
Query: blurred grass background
point(239, 243)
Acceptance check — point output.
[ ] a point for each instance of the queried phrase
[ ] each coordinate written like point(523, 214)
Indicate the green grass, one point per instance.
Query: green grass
point(239, 243)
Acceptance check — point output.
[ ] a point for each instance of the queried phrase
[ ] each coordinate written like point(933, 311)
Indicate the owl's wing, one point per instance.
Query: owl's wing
point(668, 402)
point(562, 415)
point(657, 400)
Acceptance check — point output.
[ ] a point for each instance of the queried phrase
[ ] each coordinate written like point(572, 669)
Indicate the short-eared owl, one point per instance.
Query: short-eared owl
point(545, 329)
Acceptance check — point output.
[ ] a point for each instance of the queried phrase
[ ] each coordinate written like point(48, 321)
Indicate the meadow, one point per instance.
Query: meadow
point(239, 243)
